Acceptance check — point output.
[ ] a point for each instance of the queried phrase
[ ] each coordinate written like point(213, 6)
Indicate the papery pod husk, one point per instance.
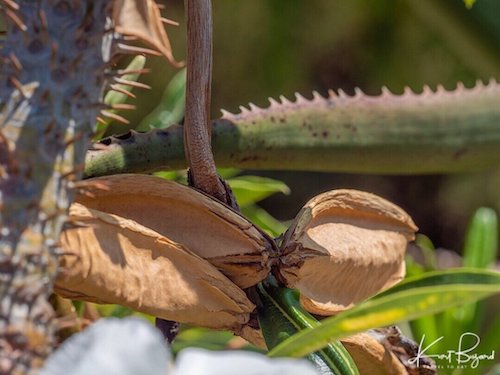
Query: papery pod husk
point(372, 357)
point(109, 259)
point(208, 228)
point(142, 19)
point(343, 247)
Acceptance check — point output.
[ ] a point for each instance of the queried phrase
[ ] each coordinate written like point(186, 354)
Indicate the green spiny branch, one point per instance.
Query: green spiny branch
point(431, 132)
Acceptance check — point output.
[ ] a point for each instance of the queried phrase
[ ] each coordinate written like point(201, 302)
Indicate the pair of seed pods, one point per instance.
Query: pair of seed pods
point(165, 249)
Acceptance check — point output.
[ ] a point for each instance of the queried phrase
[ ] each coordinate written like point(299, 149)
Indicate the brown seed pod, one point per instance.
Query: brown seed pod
point(372, 357)
point(109, 259)
point(208, 228)
point(344, 246)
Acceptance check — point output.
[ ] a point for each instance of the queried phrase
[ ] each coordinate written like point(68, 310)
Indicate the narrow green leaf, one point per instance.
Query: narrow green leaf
point(251, 189)
point(171, 108)
point(410, 299)
point(481, 242)
point(480, 251)
point(428, 250)
point(282, 316)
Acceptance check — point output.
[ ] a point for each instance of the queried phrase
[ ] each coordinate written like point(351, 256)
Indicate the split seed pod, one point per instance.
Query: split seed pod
point(109, 259)
point(372, 357)
point(201, 224)
point(343, 247)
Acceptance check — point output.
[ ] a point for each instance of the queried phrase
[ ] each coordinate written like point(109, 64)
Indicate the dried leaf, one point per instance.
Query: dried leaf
point(372, 357)
point(203, 225)
point(344, 246)
point(109, 259)
point(142, 19)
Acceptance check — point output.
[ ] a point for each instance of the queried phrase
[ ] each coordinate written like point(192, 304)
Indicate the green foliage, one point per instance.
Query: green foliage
point(170, 110)
point(281, 316)
point(481, 241)
point(419, 296)
point(201, 338)
point(469, 3)
point(480, 251)
point(114, 97)
point(251, 189)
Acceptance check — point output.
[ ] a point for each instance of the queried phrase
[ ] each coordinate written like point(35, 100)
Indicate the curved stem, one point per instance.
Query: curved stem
point(198, 87)
point(202, 173)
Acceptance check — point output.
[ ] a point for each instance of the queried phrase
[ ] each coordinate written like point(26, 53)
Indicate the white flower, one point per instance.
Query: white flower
point(193, 361)
point(132, 346)
point(113, 347)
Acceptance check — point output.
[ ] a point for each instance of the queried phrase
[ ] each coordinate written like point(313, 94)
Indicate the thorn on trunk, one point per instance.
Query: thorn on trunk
point(16, 20)
point(115, 117)
point(132, 83)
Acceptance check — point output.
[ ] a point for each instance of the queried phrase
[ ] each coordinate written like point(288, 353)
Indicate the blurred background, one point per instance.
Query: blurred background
point(267, 48)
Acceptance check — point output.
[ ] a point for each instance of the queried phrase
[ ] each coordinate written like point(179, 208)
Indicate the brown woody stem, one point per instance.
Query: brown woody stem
point(198, 86)
point(197, 132)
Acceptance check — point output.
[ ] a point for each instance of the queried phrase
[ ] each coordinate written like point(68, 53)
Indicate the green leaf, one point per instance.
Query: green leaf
point(251, 189)
point(263, 220)
point(419, 296)
point(481, 242)
point(114, 97)
point(171, 108)
point(480, 250)
point(178, 176)
point(469, 3)
point(281, 316)
point(201, 338)
point(428, 251)
point(226, 173)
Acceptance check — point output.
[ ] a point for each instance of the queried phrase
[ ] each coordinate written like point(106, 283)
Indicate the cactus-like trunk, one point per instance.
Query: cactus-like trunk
point(54, 61)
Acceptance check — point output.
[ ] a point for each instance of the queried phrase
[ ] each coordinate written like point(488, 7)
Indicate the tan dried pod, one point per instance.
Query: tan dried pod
point(372, 357)
point(109, 259)
point(142, 19)
point(208, 228)
point(344, 246)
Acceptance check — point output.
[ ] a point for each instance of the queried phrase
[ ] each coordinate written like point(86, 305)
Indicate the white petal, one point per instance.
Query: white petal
point(193, 361)
point(111, 346)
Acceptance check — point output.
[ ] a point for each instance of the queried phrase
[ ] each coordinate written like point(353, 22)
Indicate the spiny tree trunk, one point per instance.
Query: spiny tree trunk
point(54, 61)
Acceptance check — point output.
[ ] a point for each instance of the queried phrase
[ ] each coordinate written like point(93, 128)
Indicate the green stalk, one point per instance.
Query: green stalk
point(281, 316)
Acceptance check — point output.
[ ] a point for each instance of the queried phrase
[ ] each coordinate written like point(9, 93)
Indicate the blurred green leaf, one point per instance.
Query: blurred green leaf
point(419, 296)
point(78, 307)
point(425, 325)
point(251, 189)
point(481, 241)
point(428, 250)
point(480, 250)
point(469, 3)
point(171, 108)
point(114, 97)
point(228, 172)
point(116, 311)
point(201, 338)
point(178, 176)
point(263, 220)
